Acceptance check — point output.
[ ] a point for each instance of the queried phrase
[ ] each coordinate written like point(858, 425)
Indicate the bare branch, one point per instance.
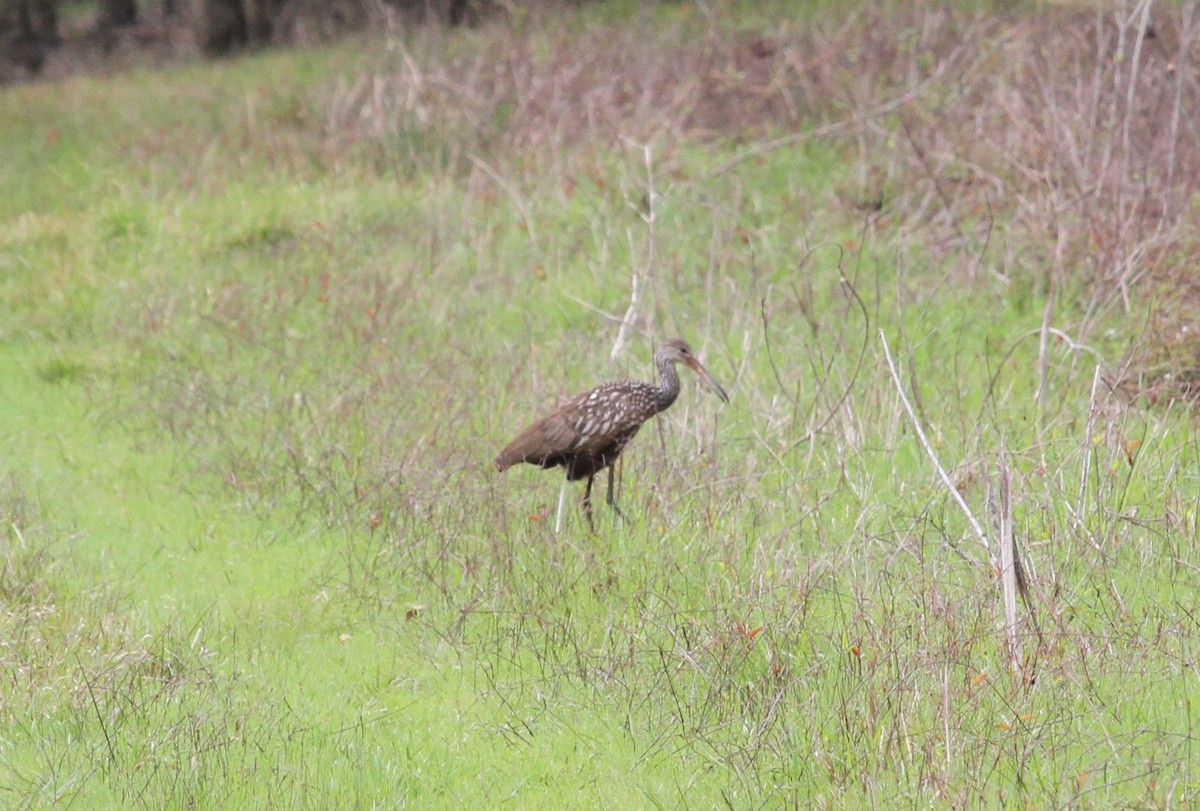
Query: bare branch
point(649, 215)
point(1008, 566)
point(526, 216)
point(945, 477)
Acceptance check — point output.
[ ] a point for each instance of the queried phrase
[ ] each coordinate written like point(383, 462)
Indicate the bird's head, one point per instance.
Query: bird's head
point(678, 350)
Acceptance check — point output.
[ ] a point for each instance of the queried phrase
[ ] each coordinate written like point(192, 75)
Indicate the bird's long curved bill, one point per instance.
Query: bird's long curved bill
point(708, 379)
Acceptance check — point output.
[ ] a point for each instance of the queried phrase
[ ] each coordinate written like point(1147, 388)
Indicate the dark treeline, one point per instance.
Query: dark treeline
point(30, 30)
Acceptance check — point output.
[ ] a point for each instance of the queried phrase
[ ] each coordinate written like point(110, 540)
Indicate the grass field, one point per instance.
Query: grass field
point(268, 321)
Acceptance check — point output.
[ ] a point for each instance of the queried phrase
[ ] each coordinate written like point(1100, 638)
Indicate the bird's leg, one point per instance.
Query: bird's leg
point(612, 502)
point(587, 502)
point(562, 496)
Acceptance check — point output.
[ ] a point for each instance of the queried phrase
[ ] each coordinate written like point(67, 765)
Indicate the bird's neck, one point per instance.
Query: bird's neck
point(668, 385)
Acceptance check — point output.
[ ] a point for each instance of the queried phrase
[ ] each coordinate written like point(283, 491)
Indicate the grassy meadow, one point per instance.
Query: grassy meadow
point(268, 321)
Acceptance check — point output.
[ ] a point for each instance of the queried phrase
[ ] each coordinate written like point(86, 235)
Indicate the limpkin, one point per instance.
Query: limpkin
point(587, 433)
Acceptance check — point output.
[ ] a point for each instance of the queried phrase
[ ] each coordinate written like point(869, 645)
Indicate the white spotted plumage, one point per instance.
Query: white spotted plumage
point(587, 433)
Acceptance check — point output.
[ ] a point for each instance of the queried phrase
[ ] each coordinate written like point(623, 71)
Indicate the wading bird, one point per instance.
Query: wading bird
point(588, 432)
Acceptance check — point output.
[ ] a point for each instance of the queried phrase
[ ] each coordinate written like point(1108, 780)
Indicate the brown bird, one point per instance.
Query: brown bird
point(588, 432)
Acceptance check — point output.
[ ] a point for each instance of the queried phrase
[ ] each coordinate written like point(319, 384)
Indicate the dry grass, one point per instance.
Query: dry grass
point(1071, 126)
point(796, 611)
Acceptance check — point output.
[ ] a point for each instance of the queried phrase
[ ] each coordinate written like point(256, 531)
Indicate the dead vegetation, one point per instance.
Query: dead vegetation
point(1069, 130)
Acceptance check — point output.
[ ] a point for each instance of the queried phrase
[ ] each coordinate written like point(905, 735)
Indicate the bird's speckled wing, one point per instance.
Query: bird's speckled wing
point(598, 421)
point(609, 413)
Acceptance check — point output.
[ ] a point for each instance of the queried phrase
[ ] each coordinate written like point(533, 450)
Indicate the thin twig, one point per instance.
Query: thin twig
point(613, 317)
point(630, 317)
point(766, 322)
point(112, 755)
point(858, 365)
point(946, 712)
point(836, 126)
point(1040, 333)
point(650, 217)
point(1024, 591)
point(945, 477)
point(1008, 566)
point(1077, 512)
point(1043, 342)
point(526, 216)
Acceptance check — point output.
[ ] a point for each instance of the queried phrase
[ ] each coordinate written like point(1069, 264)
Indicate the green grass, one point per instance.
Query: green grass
point(255, 369)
